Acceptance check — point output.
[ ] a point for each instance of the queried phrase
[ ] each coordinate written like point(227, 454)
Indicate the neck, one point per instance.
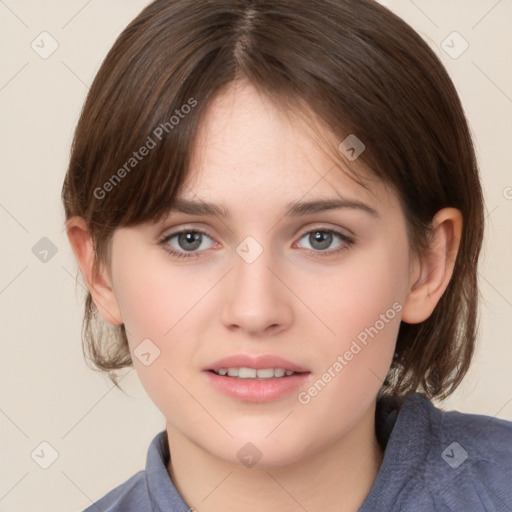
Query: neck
point(335, 478)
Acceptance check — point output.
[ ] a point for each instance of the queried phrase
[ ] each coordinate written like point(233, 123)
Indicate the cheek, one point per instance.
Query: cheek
point(160, 304)
point(155, 300)
point(368, 286)
point(145, 306)
point(157, 304)
point(361, 306)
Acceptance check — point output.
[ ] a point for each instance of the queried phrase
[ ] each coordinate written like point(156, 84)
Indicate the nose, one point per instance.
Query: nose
point(257, 300)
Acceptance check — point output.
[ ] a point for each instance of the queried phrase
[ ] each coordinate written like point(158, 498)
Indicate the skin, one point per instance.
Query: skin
point(321, 456)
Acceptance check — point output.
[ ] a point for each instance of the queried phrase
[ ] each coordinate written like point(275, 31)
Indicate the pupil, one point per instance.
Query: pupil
point(191, 238)
point(323, 238)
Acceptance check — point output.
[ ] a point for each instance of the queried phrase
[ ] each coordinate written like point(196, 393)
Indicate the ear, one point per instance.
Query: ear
point(431, 272)
point(98, 282)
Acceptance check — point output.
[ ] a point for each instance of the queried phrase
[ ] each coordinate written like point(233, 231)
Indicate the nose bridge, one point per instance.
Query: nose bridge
point(256, 299)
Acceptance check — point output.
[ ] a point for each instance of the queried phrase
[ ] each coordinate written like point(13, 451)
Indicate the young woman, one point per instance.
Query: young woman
point(276, 207)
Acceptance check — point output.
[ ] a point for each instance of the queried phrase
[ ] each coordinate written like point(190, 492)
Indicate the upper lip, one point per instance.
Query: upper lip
point(257, 362)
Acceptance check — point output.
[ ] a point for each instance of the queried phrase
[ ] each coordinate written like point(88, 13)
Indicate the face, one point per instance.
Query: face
point(321, 289)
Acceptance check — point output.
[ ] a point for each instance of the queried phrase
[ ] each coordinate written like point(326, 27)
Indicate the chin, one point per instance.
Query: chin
point(256, 449)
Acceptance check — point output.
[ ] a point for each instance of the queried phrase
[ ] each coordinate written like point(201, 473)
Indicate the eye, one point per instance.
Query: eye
point(188, 242)
point(321, 239)
point(191, 242)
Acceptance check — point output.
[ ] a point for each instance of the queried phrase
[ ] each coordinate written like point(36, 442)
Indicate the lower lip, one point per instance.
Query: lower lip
point(255, 390)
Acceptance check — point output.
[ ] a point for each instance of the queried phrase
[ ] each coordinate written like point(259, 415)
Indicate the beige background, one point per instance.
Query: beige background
point(100, 435)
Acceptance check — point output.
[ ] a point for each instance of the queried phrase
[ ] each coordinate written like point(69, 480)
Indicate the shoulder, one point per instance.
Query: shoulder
point(145, 488)
point(487, 437)
point(469, 459)
point(130, 496)
point(148, 490)
point(443, 461)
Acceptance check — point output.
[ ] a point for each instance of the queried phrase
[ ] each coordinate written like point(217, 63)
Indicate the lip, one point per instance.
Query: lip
point(258, 362)
point(256, 390)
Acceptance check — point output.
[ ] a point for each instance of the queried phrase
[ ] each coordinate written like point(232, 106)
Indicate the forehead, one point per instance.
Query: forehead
point(247, 144)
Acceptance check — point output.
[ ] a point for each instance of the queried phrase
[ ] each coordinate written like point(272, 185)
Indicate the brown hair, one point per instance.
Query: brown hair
point(357, 66)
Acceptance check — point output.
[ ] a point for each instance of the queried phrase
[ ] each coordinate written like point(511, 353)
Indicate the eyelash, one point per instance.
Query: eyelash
point(347, 243)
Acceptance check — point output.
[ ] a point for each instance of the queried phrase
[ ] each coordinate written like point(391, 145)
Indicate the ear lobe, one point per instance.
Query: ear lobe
point(97, 281)
point(433, 270)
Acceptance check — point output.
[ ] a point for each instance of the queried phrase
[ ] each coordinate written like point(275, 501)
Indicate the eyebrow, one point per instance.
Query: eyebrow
point(296, 209)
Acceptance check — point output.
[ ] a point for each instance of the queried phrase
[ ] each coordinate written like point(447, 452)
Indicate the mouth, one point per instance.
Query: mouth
point(259, 366)
point(256, 378)
point(253, 373)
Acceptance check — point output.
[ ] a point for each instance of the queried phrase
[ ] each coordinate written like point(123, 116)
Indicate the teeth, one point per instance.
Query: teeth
point(247, 373)
point(252, 373)
point(267, 373)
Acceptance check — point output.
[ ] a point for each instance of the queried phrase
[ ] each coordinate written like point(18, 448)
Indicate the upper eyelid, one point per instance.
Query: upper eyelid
point(172, 234)
point(318, 226)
